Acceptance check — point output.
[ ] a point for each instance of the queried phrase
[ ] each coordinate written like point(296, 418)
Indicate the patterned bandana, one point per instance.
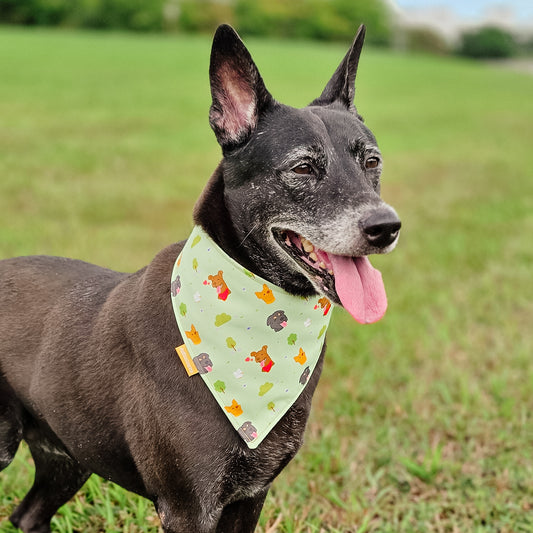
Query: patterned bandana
point(254, 345)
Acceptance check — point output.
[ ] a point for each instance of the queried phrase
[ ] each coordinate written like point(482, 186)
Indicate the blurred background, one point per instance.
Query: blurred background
point(479, 28)
point(421, 422)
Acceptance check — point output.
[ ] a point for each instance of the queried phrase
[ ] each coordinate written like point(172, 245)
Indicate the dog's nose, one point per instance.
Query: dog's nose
point(381, 227)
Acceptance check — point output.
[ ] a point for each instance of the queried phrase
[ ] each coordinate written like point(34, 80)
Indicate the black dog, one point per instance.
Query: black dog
point(203, 363)
point(277, 321)
point(88, 373)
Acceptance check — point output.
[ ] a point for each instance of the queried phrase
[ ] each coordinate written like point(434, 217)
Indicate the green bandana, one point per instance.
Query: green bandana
point(254, 345)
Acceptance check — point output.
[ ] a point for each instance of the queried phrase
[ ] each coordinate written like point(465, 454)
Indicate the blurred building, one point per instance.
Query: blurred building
point(450, 25)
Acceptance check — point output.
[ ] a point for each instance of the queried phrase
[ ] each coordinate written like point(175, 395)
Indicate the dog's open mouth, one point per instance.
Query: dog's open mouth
point(350, 281)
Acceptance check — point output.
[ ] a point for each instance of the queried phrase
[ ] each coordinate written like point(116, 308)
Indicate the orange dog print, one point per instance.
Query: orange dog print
point(301, 357)
point(266, 294)
point(235, 408)
point(193, 335)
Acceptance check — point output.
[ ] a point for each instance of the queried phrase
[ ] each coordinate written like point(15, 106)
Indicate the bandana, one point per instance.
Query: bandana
point(254, 345)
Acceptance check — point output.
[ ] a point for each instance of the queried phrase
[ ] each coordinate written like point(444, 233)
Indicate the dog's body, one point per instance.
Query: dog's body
point(88, 373)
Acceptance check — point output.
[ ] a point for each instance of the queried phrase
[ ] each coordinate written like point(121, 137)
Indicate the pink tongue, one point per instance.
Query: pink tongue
point(360, 287)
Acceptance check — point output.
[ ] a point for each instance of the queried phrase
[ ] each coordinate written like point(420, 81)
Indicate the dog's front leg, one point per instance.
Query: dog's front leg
point(238, 517)
point(242, 516)
point(183, 515)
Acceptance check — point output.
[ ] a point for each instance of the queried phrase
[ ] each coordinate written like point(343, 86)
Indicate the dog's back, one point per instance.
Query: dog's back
point(48, 281)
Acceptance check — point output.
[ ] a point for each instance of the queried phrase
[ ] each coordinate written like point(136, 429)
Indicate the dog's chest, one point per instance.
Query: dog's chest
point(250, 471)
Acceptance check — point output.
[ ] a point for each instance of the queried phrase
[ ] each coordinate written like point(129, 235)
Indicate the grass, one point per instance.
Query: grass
point(422, 422)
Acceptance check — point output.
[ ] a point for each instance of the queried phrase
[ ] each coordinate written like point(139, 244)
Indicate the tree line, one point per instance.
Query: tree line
point(329, 20)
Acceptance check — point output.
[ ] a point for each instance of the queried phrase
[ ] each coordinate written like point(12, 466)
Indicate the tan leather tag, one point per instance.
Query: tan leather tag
point(187, 360)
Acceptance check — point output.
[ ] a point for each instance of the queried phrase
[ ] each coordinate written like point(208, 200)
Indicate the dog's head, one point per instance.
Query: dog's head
point(300, 186)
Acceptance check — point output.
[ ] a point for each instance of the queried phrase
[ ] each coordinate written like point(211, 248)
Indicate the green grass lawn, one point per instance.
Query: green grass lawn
point(422, 422)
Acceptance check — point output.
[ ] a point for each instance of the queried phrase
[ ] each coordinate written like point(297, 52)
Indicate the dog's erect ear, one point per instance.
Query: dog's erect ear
point(238, 92)
point(341, 87)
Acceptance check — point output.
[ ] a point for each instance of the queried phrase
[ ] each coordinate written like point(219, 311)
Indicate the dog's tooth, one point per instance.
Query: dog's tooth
point(322, 265)
point(313, 256)
point(330, 272)
point(307, 245)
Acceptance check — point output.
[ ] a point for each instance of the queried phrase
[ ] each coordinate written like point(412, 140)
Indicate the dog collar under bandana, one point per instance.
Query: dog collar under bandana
point(254, 345)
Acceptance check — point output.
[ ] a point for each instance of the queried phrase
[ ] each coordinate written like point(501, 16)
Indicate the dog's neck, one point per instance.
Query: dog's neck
point(211, 213)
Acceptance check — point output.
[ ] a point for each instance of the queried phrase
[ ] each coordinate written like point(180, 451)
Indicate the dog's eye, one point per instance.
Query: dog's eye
point(304, 169)
point(371, 163)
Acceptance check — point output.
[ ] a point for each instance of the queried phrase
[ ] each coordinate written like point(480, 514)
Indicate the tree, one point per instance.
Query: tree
point(488, 42)
point(220, 386)
point(230, 343)
point(314, 19)
point(425, 40)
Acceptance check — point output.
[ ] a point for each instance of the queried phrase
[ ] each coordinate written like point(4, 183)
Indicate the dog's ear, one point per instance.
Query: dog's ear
point(237, 89)
point(341, 87)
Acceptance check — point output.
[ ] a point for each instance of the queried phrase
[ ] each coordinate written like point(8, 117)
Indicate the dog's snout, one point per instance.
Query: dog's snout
point(381, 228)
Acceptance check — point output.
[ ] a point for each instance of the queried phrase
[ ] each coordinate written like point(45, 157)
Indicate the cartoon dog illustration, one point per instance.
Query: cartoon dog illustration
point(235, 408)
point(248, 432)
point(301, 357)
point(203, 363)
point(266, 294)
point(217, 281)
point(278, 320)
point(305, 376)
point(193, 335)
point(263, 359)
point(175, 286)
point(325, 304)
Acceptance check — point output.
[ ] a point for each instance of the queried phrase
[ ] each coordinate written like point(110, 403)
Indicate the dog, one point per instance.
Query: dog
point(88, 373)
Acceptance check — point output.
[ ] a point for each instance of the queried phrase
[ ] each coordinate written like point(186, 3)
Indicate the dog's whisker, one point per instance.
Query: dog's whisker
point(254, 227)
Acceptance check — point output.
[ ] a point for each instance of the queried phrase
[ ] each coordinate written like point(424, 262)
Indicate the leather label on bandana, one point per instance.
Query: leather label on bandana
point(254, 345)
point(186, 360)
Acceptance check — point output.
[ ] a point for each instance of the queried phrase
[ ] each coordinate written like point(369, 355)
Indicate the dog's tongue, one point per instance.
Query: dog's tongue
point(360, 287)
